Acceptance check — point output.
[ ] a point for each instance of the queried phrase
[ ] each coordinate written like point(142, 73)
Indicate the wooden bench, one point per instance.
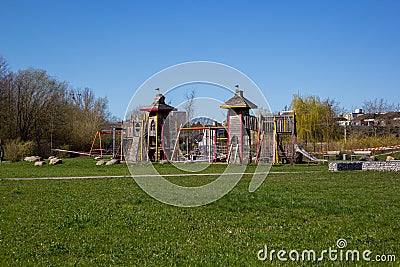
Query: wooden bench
point(360, 154)
point(332, 154)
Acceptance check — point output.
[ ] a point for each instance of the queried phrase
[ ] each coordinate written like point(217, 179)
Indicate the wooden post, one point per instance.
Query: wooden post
point(276, 154)
point(215, 146)
point(101, 147)
point(156, 153)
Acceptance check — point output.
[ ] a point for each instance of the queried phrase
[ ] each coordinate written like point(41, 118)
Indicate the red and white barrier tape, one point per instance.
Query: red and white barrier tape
point(381, 148)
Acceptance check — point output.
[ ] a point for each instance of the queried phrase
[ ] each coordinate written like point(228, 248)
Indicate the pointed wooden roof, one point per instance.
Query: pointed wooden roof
point(239, 101)
point(158, 105)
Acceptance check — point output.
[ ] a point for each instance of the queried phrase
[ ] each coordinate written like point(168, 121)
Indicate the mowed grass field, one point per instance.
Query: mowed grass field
point(112, 222)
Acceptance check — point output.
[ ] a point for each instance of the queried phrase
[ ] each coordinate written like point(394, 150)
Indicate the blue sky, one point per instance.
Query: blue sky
point(345, 50)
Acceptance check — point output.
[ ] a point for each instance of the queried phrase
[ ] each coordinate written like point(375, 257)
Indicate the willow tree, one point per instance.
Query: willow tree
point(315, 118)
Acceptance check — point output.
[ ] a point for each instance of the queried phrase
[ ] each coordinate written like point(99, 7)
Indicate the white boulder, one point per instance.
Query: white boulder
point(100, 162)
point(389, 158)
point(32, 158)
point(112, 162)
point(55, 161)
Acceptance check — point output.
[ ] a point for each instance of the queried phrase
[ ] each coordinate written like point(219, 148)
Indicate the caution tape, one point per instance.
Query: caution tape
point(381, 148)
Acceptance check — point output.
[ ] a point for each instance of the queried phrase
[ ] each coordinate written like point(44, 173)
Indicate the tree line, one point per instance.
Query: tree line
point(41, 112)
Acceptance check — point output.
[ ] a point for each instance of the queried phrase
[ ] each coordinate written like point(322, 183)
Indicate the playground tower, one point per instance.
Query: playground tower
point(157, 113)
point(240, 122)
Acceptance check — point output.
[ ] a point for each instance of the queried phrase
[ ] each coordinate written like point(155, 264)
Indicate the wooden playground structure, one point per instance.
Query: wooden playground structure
point(164, 134)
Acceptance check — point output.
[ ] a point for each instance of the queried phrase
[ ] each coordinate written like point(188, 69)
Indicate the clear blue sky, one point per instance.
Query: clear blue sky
point(345, 50)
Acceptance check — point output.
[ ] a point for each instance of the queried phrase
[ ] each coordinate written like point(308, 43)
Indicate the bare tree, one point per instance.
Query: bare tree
point(189, 105)
point(136, 114)
point(4, 103)
point(86, 115)
point(4, 68)
point(189, 108)
point(377, 106)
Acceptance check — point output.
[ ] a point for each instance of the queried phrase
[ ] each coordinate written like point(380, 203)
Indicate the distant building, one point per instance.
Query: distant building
point(358, 118)
point(346, 119)
point(342, 121)
point(375, 119)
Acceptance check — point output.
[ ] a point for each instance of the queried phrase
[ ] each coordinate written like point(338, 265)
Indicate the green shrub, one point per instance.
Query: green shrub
point(370, 141)
point(11, 150)
point(26, 149)
point(15, 149)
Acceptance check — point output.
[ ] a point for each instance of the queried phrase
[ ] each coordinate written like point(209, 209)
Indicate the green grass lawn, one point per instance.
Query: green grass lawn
point(112, 222)
point(86, 166)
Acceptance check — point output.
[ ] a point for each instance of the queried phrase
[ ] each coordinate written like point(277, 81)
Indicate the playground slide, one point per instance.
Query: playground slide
point(301, 150)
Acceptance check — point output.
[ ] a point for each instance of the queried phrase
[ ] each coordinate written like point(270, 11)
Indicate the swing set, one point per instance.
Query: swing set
point(115, 151)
